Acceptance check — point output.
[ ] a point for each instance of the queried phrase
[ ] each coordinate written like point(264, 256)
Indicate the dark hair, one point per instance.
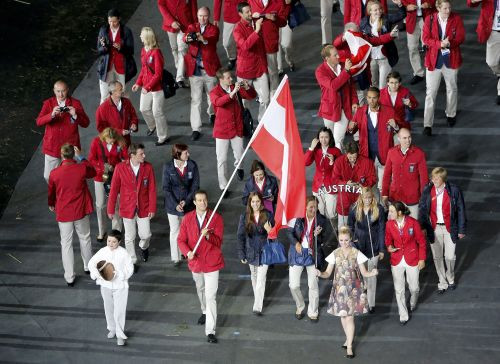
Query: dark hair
point(394, 74)
point(117, 234)
point(113, 13)
point(374, 89)
point(249, 220)
point(177, 150)
point(401, 207)
point(67, 151)
point(311, 199)
point(324, 129)
point(220, 72)
point(134, 147)
point(242, 5)
point(257, 166)
point(200, 192)
point(351, 147)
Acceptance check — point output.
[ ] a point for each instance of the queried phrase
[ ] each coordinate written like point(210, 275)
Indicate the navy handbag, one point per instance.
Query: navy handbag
point(298, 15)
point(303, 259)
point(273, 252)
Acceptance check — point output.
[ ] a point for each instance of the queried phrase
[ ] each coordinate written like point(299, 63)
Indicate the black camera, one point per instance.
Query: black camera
point(192, 37)
point(64, 109)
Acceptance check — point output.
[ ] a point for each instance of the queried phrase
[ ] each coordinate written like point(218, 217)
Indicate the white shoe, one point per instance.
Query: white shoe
point(120, 341)
point(111, 335)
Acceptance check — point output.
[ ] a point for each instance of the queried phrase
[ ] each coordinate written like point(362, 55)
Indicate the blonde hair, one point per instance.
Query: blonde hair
point(344, 230)
point(440, 172)
point(110, 133)
point(441, 2)
point(368, 10)
point(373, 206)
point(326, 51)
point(149, 38)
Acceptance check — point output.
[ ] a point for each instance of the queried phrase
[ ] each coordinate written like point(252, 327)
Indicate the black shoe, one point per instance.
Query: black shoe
point(136, 268)
point(452, 287)
point(314, 320)
point(281, 73)
point(498, 99)
point(371, 310)
point(441, 291)
point(100, 240)
point(212, 339)
point(181, 84)
point(177, 264)
point(162, 143)
point(87, 272)
point(416, 79)
point(72, 284)
point(292, 67)
point(195, 136)
point(350, 356)
point(413, 309)
point(451, 121)
point(427, 131)
point(402, 323)
point(335, 7)
point(212, 119)
point(299, 316)
point(241, 174)
point(257, 313)
point(227, 194)
point(151, 132)
point(344, 347)
point(145, 254)
point(230, 64)
point(202, 319)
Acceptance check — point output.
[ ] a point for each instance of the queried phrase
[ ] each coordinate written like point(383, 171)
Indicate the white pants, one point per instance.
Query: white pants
point(295, 272)
point(443, 242)
point(198, 85)
point(112, 75)
point(379, 168)
point(327, 204)
point(221, 148)
point(285, 47)
point(179, 49)
point(66, 230)
point(493, 55)
point(174, 222)
point(342, 221)
point(50, 164)
point(398, 275)
point(258, 275)
point(206, 288)
point(100, 210)
point(132, 226)
point(413, 42)
point(371, 282)
point(115, 308)
point(380, 68)
point(326, 7)
point(432, 82)
point(228, 40)
point(272, 69)
point(338, 129)
point(151, 106)
point(261, 86)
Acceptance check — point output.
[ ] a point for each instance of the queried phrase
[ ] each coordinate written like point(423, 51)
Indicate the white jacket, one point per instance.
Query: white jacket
point(121, 261)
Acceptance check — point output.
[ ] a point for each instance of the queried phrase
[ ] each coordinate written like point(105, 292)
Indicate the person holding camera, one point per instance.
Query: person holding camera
point(117, 112)
point(61, 115)
point(202, 62)
point(115, 47)
point(106, 151)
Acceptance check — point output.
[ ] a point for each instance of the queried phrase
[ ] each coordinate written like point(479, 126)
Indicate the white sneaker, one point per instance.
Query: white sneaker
point(120, 341)
point(111, 335)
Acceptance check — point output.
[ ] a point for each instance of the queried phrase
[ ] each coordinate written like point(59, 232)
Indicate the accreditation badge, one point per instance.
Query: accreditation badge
point(190, 175)
point(410, 231)
point(145, 182)
point(411, 168)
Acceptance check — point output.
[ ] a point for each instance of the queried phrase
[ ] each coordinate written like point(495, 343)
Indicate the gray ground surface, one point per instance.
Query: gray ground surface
point(44, 321)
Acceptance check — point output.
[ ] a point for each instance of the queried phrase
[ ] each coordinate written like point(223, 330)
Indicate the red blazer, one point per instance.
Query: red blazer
point(362, 173)
point(182, 11)
point(61, 129)
point(332, 86)
point(411, 16)
point(108, 116)
point(455, 33)
point(151, 73)
point(99, 150)
point(208, 257)
point(411, 242)
point(385, 137)
point(68, 190)
point(136, 193)
point(228, 112)
point(445, 209)
point(399, 107)
point(352, 10)
point(251, 61)
point(209, 56)
point(405, 176)
point(116, 58)
point(230, 10)
point(323, 175)
point(270, 29)
point(485, 21)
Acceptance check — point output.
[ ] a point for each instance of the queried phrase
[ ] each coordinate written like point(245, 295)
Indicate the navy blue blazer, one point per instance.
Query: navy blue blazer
point(177, 188)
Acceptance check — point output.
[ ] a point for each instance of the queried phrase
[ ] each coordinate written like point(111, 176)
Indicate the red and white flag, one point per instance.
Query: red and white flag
point(277, 142)
point(360, 50)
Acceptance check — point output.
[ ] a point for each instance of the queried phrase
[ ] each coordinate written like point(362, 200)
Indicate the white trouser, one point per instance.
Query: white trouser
point(326, 21)
point(493, 55)
point(261, 86)
point(272, 69)
point(50, 164)
point(371, 282)
point(100, 210)
point(228, 40)
point(413, 210)
point(285, 47)
point(432, 82)
point(206, 288)
point(179, 49)
point(132, 227)
point(198, 84)
point(398, 275)
point(380, 68)
point(443, 242)
point(341, 3)
point(342, 221)
point(413, 42)
point(66, 230)
point(152, 109)
point(258, 275)
point(327, 204)
point(112, 75)
point(295, 272)
point(115, 309)
point(338, 129)
point(379, 168)
point(221, 148)
point(174, 222)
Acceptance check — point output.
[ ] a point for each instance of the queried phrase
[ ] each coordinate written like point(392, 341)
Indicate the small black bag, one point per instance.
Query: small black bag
point(247, 120)
point(298, 15)
point(168, 83)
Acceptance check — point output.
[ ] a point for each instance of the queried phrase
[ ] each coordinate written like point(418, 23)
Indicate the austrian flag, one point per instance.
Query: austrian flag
point(277, 142)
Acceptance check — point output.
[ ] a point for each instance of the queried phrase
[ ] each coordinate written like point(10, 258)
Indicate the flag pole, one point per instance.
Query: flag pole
point(255, 133)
